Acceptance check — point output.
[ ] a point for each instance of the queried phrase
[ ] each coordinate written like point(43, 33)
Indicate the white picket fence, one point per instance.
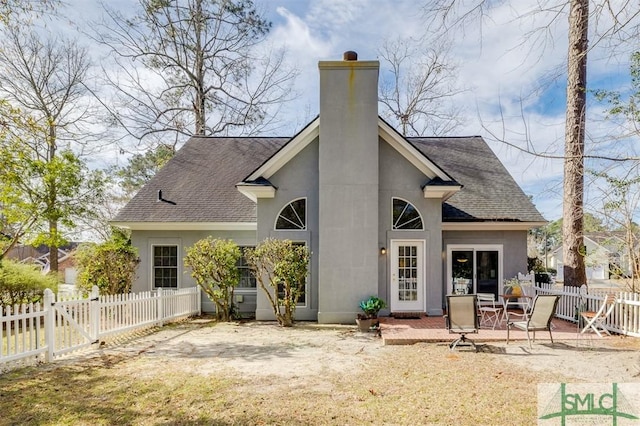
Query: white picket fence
point(625, 318)
point(64, 324)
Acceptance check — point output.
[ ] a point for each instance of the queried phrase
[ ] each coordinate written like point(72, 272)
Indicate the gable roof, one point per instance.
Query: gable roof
point(200, 179)
point(256, 185)
point(286, 152)
point(489, 192)
point(610, 241)
point(203, 181)
point(312, 131)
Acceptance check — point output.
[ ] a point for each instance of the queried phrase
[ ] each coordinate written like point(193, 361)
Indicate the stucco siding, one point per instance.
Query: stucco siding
point(145, 240)
point(296, 179)
point(400, 179)
point(348, 188)
point(512, 243)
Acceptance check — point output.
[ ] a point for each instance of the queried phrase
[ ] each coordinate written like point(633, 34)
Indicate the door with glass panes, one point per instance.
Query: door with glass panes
point(474, 269)
point(407, 276)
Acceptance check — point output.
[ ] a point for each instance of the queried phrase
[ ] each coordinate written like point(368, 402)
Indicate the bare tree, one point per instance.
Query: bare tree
point(449, 14)
point(12, 10)
point(45, 81)
point(421, 81)
point(620, 195)
point(191, 67)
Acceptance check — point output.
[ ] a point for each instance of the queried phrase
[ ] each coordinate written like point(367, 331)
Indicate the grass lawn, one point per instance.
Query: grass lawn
point(419, 384)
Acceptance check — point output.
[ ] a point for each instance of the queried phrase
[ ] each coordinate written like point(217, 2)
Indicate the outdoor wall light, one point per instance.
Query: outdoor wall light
point(383, 251)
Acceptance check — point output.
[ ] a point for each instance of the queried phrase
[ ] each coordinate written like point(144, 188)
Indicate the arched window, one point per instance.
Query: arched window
point(293, 216)
point(405, 215)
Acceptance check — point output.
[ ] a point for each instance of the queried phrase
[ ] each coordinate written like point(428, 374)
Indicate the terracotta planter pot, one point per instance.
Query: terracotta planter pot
point(364, 324)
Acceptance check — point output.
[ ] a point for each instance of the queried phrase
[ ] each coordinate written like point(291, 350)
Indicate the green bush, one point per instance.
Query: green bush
point(23, 283)
point(110, 265)
point(281, 269)
point(213, 264)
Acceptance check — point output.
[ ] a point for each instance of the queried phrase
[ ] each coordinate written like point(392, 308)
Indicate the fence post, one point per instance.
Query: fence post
point(94, 313)
point(49, 324)
point(160, 307)
point(1, 333)
point(199, 299)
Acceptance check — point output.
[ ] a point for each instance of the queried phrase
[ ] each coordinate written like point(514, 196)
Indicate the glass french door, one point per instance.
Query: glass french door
point(407, 276)
point(474, 269)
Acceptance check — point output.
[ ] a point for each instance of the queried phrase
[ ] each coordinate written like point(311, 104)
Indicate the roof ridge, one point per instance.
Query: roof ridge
point(443, 137)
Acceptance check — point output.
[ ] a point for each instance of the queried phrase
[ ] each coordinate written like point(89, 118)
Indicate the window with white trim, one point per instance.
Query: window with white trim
point(165, 266)
point(293, 216)
point(405, 215)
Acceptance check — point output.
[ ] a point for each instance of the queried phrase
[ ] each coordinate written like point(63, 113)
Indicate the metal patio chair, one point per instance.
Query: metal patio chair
point(462, 318)
point(490, 311)
point(539, 319)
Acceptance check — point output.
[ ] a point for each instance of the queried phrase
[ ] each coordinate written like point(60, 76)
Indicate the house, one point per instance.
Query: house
point(382, 214)
point(40, 256)
point(606, 256)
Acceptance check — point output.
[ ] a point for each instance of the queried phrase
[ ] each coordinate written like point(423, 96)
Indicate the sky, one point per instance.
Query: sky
point(512, 75)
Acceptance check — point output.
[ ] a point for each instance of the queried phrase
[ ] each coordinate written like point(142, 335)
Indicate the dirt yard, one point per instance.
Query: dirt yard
point(200, 372)
point(263, 349)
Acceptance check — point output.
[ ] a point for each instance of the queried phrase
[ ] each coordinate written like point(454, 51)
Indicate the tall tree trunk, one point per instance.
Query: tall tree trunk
point(573, 210)
point(53, 248)
point(52, 203)
point(199, 71)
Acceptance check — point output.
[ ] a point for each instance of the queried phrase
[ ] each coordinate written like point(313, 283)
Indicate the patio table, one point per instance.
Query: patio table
point(507, 300)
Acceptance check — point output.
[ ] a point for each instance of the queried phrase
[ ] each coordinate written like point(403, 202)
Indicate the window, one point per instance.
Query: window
point(165, 266)
point(293, 215)
point(247, 279)
point(405, 215)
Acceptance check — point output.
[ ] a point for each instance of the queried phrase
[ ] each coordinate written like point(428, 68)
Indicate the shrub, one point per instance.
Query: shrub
point(110, 265)
point(213, 264)
point(281, 269)
point(23, 283)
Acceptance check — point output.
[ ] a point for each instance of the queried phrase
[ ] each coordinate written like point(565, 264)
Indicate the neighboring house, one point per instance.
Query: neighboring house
point(382, 214)
point(606, 256)
point(40, 257)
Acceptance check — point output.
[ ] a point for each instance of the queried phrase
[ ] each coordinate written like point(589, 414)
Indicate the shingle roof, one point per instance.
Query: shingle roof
point(201, 180)
point(489, 192)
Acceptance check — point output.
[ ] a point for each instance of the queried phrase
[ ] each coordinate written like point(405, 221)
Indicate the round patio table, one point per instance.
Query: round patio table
point(508, 300)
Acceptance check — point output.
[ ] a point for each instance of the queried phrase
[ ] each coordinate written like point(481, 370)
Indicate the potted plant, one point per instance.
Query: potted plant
point(512, 286)
point(370, 308)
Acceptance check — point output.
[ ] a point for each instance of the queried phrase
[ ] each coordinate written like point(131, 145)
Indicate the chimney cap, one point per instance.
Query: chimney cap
point(350, 55)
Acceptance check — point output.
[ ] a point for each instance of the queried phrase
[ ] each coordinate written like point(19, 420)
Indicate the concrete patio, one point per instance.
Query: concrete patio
point(401, 331)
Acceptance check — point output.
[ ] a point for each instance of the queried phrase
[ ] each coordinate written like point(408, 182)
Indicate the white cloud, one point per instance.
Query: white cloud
point(506, 63)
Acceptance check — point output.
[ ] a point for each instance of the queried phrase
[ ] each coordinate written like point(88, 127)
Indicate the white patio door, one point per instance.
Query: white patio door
point(407, 276)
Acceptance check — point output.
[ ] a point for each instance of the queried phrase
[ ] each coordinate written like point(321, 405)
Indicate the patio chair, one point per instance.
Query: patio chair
point(539, 319)
point(461, 286)
point(596, 320)
point(462, 318)
point(490, 312)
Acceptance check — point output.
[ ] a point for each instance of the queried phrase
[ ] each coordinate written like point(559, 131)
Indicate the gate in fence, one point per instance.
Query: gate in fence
point(68, 324)
point(72, 323)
